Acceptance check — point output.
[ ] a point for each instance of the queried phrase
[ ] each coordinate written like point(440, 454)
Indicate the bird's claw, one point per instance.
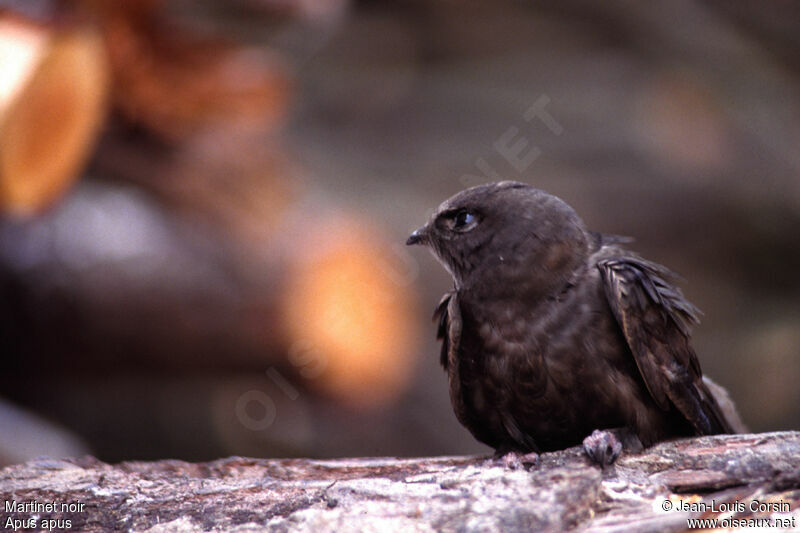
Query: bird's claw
point(603, 447)
point(516, 460)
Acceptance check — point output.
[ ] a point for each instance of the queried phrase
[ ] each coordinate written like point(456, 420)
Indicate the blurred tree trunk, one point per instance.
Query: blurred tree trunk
point(53, 92)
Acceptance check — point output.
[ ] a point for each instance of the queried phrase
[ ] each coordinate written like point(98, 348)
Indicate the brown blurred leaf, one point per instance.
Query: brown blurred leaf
point(173, 83)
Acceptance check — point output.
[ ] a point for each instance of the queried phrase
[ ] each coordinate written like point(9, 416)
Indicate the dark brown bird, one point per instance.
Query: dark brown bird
point(553, 331)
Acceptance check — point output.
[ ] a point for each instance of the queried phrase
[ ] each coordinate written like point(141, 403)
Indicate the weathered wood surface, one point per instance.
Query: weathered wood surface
point(430, 494)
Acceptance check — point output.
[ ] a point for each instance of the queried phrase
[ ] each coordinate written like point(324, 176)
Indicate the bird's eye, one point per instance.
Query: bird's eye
point(464, 221)
point(463, 218)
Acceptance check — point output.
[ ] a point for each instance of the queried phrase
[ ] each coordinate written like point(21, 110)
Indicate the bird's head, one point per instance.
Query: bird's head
point(506, 235)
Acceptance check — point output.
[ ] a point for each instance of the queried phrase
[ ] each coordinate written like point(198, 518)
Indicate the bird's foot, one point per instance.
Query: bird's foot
point(603, 447)
point(514, 460)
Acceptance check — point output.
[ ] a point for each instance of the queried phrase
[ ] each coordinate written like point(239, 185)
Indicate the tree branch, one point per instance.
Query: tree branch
point(564, 491)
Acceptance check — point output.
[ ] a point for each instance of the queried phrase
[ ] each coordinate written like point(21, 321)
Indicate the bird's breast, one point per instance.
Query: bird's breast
point(550, 372)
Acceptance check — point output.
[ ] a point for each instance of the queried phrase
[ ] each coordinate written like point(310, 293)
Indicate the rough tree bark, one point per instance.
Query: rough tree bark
point(430, 494)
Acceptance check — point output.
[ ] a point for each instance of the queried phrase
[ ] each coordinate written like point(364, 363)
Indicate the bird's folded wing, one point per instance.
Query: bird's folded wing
point(448, 316)
point(656, 319)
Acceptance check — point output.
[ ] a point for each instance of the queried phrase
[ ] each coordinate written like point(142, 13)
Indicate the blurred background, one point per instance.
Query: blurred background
point(204, 204)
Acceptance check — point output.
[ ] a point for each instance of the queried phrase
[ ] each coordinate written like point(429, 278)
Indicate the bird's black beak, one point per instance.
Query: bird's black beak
point(418, 237)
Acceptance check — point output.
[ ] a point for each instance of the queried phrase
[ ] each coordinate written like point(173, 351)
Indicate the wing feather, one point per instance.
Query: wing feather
point(656, 322)
point(448, 318)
